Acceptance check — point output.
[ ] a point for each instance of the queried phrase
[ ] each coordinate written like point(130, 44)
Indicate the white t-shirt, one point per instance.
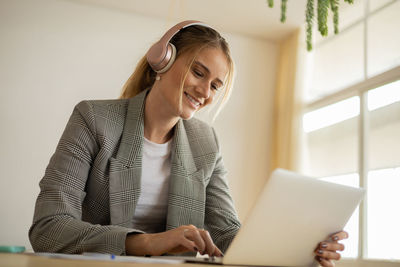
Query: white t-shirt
point(151, 209)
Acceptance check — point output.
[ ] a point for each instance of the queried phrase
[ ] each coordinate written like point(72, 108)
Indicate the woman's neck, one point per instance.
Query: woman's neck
point(158, 121)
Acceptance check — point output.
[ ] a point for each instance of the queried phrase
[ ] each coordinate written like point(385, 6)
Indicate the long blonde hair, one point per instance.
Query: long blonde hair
point(190, 40)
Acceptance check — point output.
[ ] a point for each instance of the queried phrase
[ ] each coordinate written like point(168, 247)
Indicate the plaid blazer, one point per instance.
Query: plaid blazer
point(91, 186)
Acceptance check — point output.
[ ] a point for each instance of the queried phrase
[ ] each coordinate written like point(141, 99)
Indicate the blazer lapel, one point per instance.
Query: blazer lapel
point(187, 189)
point(126, 167)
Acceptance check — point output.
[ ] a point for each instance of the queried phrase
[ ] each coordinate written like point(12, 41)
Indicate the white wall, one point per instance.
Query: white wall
point(244, 125)
point(55, 53)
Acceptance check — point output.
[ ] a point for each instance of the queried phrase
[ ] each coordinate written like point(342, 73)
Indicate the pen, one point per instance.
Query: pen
point(12, 249)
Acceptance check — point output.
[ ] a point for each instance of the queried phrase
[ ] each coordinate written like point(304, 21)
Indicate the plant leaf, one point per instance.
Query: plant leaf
point(322, 8)
point(309, 21)
point(283, 10)
point(335, 10)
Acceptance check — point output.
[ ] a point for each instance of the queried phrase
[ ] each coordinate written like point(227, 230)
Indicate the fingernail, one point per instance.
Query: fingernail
point(320, 252)
point(324, 245)
point(335, 238)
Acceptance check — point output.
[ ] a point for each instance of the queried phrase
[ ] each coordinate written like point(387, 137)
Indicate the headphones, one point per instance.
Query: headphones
point(162, 54)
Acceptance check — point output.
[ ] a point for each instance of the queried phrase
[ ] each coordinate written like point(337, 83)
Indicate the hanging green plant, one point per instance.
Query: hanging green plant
point(323, 7)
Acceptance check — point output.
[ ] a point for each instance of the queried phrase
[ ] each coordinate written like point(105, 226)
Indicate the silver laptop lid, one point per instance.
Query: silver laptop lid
point(290, 217)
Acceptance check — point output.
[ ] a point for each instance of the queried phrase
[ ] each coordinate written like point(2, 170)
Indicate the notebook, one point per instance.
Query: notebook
point(292, 214)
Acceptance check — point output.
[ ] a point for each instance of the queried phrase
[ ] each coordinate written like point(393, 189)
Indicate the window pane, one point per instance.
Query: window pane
point(331, 114)
point(331, 148)
point(384, 145)
point(384, 175)
point(383, 215)
point(384, 95)
point(348, 14)
point(351, 244)
point(329, 151)
point(375, 4)
point(384, 40)
point(336, 64)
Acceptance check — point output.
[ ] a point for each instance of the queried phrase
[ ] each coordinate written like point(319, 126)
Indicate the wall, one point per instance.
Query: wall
point(55, 53)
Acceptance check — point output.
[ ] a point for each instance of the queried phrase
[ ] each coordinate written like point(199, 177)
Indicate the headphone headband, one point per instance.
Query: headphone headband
point(162, 54)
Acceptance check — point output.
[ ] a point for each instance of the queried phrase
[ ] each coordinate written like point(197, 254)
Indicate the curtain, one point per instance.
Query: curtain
point(287, 103)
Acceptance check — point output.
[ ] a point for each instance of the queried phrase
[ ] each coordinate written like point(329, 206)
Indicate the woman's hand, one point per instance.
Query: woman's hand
point(186, 238)
point(327, 250)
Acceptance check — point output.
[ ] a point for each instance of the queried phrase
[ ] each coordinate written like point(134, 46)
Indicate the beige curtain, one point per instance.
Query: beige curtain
point(287, 104)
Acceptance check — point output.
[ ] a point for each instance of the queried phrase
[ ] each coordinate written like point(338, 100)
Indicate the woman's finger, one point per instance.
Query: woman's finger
point(324, 262)
point(193, 234)
point(199, 240)
point(332, 246)
point(218, 252)
point(210, 247)
point(330, 255)
point(189, 244)
point(215, 251)
point(339, 236)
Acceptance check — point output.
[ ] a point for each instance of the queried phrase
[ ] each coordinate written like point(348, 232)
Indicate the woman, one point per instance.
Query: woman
point(139, 175)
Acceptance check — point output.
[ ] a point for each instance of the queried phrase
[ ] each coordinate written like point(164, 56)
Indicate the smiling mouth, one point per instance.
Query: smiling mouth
point(195, 103)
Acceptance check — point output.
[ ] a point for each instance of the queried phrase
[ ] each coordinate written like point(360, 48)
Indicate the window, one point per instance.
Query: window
point(383, 180)
point(351, 122)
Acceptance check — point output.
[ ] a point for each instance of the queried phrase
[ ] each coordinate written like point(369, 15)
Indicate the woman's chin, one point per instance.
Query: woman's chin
point(187, 115)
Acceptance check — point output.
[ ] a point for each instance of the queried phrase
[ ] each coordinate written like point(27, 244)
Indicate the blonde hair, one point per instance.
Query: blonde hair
point(190, 40)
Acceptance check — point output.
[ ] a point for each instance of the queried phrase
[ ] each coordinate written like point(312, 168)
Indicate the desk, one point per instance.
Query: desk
point(30, 260)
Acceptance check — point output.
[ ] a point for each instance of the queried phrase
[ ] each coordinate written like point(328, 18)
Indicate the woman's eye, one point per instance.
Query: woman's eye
point(214, 87)
point(198, 73)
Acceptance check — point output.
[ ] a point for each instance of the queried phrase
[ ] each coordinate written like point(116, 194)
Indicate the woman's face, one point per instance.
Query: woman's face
point(205, 77)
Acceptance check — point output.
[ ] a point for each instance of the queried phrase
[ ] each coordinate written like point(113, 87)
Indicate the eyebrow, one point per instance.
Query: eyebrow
point(208, 71)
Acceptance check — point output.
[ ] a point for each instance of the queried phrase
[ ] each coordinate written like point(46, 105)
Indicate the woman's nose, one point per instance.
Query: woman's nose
point(204, 90)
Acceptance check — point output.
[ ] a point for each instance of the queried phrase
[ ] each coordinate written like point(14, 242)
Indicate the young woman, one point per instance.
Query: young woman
point(139, 175)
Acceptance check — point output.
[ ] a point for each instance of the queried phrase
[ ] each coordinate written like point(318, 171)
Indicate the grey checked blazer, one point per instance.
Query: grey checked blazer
point(91, 186)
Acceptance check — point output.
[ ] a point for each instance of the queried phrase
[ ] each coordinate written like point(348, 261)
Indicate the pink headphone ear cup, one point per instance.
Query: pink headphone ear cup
point(162, 54)
point(168, 61)
point(159, 55)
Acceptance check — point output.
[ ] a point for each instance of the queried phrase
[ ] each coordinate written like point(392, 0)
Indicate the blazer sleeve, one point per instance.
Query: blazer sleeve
point(57, 224)
point(221, 219)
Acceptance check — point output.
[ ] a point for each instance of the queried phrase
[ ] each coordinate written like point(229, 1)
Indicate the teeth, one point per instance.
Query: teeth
point(192, 100)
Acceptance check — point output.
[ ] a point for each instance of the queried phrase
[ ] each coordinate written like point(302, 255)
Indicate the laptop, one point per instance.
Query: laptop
point(292, 214)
